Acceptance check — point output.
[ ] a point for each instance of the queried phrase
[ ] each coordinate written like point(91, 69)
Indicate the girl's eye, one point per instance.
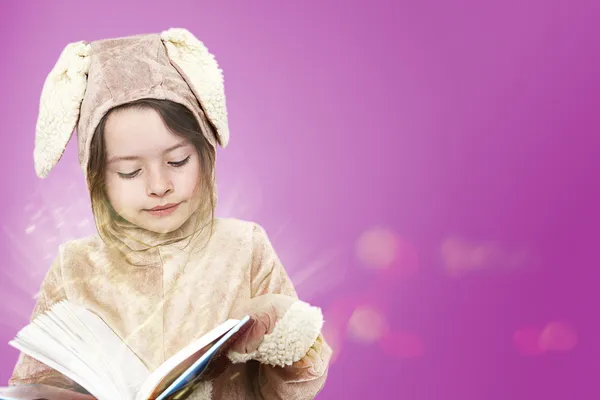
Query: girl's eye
point(180, 163)
point(130, 175)
point(133, 174)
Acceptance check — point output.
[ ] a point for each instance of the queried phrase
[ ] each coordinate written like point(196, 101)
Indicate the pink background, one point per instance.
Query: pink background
point(427, 171)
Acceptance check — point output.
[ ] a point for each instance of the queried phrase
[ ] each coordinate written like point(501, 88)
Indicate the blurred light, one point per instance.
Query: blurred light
point(34, 241)
point(558, 336)
point(405, 265)
point(527, 341)
point(341, 309)
point(320, 273)
point(367, 324)
point(243, 197)
point(402, 345)
point(377, 247)
point(461, 256)
point(394, 257)
point(333, 336)
point(336, 316)
point(38, 214)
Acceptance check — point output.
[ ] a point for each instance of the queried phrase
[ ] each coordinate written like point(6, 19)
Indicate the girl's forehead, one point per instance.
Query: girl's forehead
point(138, 132)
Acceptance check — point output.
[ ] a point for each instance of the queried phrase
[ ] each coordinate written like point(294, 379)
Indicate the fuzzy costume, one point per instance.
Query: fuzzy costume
point(161, 295)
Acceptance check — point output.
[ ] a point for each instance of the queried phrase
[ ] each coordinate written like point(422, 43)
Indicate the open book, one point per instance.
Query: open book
point(79, 344)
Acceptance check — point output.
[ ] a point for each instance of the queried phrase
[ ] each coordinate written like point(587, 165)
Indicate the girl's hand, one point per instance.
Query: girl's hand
point(282, 330)
point(264, 312)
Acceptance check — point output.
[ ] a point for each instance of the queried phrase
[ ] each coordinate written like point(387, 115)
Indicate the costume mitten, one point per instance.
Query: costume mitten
point(283, 330)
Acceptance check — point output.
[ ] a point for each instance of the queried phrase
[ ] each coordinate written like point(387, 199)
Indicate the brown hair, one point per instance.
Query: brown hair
point(181, 122)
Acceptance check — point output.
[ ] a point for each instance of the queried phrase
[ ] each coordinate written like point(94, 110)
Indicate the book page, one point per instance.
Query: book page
point(67, 365)
point(174, 373)
point(210, 361)
point(38, 391)
point(45, 341)
point(125, 369)
point(78, 344)
point(165, 374)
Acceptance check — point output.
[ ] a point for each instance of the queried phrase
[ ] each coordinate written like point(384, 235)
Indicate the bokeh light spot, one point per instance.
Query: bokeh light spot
point(367, 324)
point(377, 247)
point(461, 256)
point(393, 257)
point(527, 341)
point(406, 263)
point(558, 336)
point(333, 336)
point(336, 317)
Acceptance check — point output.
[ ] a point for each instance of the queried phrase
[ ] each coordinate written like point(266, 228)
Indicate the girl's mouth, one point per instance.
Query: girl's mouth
point(160, 211)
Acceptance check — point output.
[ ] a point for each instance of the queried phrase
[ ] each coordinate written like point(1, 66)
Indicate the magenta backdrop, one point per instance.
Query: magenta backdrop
point(428, 172)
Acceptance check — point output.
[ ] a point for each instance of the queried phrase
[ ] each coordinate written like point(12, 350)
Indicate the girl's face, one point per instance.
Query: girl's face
point(152, 175)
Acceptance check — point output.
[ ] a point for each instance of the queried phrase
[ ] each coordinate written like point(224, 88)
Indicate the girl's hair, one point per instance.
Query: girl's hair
point(181, 122)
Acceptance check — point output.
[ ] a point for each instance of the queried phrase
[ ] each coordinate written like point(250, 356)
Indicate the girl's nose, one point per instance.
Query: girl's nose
point(159, 184)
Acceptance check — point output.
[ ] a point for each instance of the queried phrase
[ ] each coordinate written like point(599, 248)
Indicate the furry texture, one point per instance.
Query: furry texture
point(202, 392)
point(60, 100)
point(90, 79)
point(159, 300)
point(293, 336)
point(201, 71)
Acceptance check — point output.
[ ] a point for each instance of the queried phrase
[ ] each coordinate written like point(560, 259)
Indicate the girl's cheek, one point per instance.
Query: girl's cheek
point(183, 184)
point(132, 193)
point(126, 194)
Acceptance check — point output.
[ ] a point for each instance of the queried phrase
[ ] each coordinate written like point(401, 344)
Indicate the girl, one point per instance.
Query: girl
point(162, 271)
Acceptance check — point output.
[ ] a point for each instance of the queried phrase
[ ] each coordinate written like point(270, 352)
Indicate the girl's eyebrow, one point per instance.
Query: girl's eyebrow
point(133, 158)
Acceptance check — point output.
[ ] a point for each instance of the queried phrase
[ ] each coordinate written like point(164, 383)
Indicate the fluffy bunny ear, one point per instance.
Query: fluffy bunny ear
point(202, 73)
point(60, 101)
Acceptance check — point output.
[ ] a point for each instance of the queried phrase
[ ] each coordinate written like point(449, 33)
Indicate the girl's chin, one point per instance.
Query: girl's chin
point(164, 227)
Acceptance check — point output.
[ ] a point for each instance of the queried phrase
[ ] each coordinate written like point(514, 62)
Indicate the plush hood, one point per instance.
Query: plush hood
point(89, 79)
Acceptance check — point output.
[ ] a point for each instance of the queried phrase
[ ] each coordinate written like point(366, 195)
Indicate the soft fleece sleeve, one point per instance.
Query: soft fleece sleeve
point(27, 369)
point(305, 378)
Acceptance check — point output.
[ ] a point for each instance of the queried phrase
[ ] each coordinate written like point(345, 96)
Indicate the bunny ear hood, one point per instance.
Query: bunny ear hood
point(200, 70)
point(89, 79)
point(60, 101)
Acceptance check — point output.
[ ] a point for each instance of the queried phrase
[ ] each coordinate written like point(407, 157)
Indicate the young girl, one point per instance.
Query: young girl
point(162, 271)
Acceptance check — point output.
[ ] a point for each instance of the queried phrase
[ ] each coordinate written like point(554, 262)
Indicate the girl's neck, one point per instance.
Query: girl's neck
point(140, 246)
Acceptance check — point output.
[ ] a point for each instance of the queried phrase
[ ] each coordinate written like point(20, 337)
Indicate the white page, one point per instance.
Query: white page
point(58, 331)
point(64, 339)
point(94, 387)
point(119, 358)
point(35, 339)
point(57, 328)
point(92, 352)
